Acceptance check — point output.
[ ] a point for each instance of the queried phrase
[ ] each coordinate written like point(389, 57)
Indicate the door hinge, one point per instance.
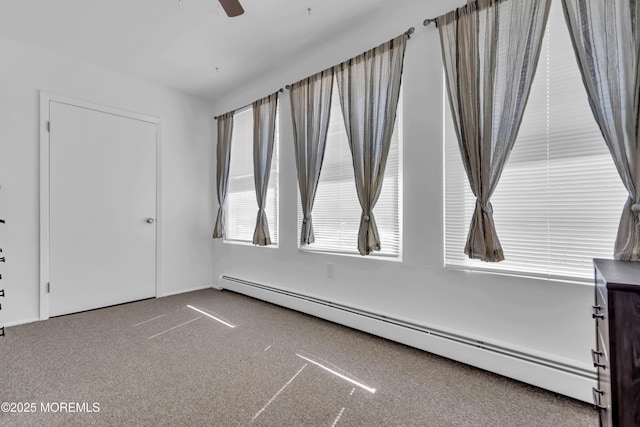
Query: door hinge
point(48, 126)
point(48, 287)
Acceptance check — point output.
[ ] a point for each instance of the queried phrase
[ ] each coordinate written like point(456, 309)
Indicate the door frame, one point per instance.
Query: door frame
point(45, 102)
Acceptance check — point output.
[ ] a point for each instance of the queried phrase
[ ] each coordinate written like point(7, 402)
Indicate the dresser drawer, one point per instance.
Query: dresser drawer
point(602, 401)
point(600, 354)
point(602, 393)
point(600, 291)
point(600, 287)
point(600, 313)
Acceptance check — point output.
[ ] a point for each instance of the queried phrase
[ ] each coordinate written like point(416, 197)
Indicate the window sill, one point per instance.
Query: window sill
point(388, 258)
point(523, 275)
point(249, 244)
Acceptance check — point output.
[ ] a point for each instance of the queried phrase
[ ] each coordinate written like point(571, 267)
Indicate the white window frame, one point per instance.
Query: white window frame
point(274, 182)
point(459, 263)
point(313, 248)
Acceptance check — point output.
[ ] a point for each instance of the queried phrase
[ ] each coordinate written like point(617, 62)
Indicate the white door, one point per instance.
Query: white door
point(102, 209)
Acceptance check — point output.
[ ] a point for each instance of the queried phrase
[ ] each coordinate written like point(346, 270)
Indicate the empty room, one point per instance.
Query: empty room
point(320, 213)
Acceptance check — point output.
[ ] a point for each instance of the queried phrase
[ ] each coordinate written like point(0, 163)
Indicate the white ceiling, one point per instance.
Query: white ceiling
point(180, 47)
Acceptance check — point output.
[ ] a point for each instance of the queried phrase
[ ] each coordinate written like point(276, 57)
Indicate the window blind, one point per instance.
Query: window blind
point(242, 207)
point(558, 203)
point(336, 211)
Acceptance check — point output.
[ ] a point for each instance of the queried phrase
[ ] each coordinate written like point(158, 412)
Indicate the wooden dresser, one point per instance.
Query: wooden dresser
point(617, 350)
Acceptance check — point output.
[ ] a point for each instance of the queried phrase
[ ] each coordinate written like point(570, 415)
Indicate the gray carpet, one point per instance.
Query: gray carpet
point(159, 362)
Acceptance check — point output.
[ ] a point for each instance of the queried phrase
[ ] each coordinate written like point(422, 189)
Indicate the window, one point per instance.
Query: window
point(558, 203)
point(336, 211)
point(242, 208)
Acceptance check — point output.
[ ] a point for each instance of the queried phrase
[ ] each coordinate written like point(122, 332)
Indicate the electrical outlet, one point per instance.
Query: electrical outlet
point(330, 270)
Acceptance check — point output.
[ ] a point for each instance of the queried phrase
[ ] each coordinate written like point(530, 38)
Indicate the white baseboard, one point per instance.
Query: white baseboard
point(184, 291)
point(20, 322)
point(37, 319)
point(569, 378)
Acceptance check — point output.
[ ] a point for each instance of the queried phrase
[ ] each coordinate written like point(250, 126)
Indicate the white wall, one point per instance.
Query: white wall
point(540, 317)
point(187, 149)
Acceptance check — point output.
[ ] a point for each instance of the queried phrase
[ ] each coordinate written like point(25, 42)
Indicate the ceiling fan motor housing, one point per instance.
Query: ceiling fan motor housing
point(232, 7)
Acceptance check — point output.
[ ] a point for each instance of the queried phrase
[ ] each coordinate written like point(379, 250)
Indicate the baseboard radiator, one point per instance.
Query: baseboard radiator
point(558, 376)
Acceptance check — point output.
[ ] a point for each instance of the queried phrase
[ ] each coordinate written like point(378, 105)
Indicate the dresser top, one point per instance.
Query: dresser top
point(620, 274)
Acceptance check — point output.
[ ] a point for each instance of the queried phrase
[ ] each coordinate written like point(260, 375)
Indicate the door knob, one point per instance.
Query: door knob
point(150, 220)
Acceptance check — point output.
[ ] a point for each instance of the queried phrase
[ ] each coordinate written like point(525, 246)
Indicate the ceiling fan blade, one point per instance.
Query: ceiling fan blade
point(232, 7)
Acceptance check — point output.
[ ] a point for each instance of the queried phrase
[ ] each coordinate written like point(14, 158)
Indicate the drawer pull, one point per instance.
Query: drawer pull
point(595, 312)
point(597, 398)
point(595, 356)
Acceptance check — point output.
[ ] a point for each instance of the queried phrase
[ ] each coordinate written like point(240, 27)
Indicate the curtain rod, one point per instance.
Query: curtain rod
point(408, 33)
point(474, 4)
point(429, 21)
point(245, 106)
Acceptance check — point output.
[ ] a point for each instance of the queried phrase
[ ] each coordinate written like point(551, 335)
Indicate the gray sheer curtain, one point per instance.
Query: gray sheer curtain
point(605, 40)
point(223, 151)
point(310, 108)
point(369, 88)
point(264, 125)
point(490, 50)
